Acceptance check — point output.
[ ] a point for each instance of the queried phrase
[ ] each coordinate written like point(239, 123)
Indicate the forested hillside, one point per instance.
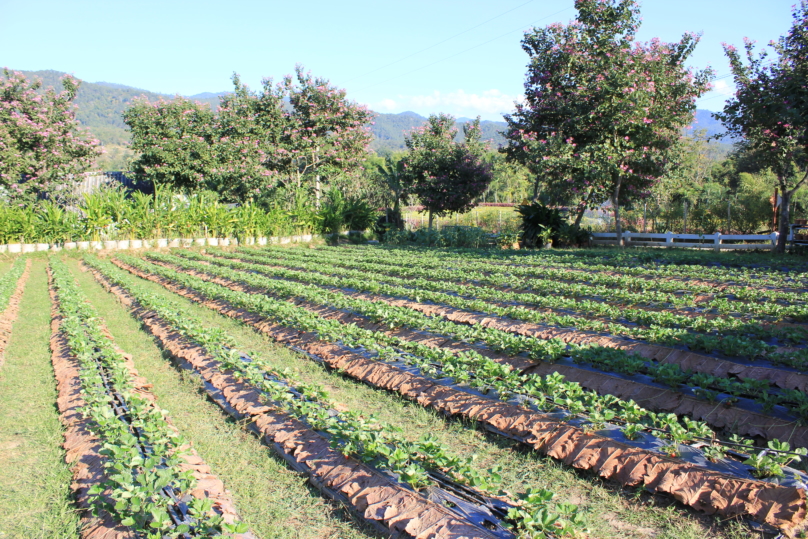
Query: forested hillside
point(101, 105)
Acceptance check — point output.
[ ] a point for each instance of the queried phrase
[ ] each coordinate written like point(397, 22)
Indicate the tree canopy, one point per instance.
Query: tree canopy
point(41, 144)
point(601, 112)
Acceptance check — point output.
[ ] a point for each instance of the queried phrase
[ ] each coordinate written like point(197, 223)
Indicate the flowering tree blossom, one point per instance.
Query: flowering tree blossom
point(174, 138)
point(601, 112)
point(249, 129)
point(286, 134)
point(325, 133)
point(770, 108)
point(42, 146)
point(445, 175)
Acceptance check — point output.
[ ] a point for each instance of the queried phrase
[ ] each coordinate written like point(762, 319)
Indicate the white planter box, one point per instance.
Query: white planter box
point(70, 245)
point(262, 241)
point(297, 239)
point(123, 244)
point(249, 241)
point(200, 241)
point(110, 245)
point(306, 237)
point(174, 243)
point(136, 244)
point(55, 247)
point(83, 245)
point(274, 240)
point(42, 246)
point(15, 247)
point(28, 247)
point(213, 242)
point(285, 240)
point(224, 242)
point(96, 245)
point(147, 244)
point(3, 248)
point(187, 242)
point(162, 242)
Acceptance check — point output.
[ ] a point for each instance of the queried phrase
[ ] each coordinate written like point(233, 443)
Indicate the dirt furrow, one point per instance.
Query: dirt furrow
point(700, 488)
point(82, 448)
point(685, 359)
point(9, 315)
point(733, 419)
point(372, 496)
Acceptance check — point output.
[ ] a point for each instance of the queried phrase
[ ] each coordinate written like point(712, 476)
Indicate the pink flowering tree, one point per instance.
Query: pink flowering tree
point(770, 109)
point(174, 138)
point(324, 135)
point(42, 147)
point(249, 129)
point(602, 113)
point(446, 176)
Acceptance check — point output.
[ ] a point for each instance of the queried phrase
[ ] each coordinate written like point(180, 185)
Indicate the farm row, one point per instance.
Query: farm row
point(688, 386)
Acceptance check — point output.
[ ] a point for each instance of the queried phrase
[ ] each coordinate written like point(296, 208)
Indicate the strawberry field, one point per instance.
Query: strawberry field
point(360, 391)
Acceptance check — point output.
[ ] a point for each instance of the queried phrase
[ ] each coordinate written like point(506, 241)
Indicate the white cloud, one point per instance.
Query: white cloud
point(721, 87)
point(490, 104)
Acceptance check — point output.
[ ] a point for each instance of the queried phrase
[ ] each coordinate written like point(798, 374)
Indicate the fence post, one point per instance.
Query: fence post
point(627, 238)
point(718, 242)
point(668, 239)
point(774, 240)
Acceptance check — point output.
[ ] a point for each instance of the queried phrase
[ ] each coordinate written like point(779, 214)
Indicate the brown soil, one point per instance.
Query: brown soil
point(82, 447)
point(732, 419)
point(9, 315)
point(372, 496)
point(702, 489)
point(686, 360)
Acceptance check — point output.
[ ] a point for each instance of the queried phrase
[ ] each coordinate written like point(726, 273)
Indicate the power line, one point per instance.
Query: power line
point(438, 43)
point(463, 51)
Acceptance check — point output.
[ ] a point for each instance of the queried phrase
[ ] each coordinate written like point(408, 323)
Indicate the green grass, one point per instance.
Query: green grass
point(35, 498)
point(613, 512)
point(274, 500)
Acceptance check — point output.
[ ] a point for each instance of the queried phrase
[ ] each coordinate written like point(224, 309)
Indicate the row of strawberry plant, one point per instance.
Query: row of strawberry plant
point(623, 295)
point(550, 392)
point(670, 373)
point(678, 292)
point(145, 487)
point(697, 333)
point(770, 502)
point(365, 438)
point(664, 267)
point(8, 282)
point(606, 359)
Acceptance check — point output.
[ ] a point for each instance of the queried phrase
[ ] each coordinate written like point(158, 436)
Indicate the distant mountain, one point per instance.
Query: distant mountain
point(389, 130)
point(101, 105)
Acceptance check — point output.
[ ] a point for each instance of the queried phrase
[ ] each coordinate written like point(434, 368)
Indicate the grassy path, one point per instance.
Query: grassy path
point(34, 499)
point(272, 499)
point(612, 511)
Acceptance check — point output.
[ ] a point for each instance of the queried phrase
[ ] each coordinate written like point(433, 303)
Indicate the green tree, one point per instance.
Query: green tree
point(769, 109)
point(445, 175)
point(602, 113)
point(42, 147)
point(175, 141)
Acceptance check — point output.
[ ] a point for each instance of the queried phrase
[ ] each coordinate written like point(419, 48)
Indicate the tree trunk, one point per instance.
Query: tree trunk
point(582, 210)
point(729, 217)
point(536, 189)
point(785, 219)
point(317, 191)
point(618, 228)
point(430, 220)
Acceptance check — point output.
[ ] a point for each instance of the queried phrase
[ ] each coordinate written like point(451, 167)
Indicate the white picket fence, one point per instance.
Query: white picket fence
point(717, 241)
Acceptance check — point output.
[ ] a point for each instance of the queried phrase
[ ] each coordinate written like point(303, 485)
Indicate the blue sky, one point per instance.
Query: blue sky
point(461, 57)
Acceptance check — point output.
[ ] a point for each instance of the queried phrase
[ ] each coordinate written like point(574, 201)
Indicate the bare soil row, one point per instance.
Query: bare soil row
point(703, 489)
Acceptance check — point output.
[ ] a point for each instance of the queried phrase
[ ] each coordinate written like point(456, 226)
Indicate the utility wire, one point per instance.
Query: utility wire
point(438, 43)
point(463, 51)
